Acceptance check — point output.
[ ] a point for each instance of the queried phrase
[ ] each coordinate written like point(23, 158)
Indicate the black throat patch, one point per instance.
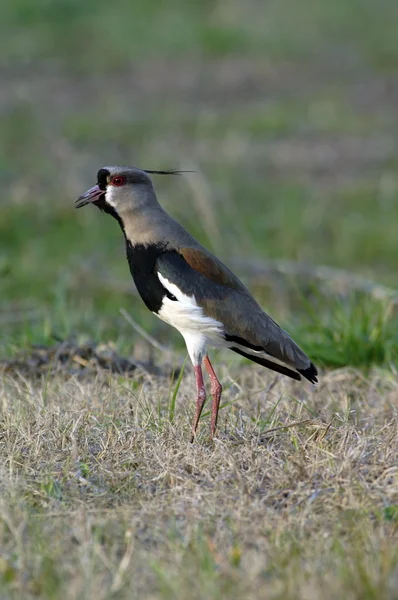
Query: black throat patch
point(101, 203)
point(142, 262)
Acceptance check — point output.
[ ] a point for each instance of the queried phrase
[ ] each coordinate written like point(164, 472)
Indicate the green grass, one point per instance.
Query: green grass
point(294, 158)
point(357, 332)
point(80, 273)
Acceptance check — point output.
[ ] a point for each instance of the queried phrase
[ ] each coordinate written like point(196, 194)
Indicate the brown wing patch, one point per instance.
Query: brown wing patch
point(210, 267)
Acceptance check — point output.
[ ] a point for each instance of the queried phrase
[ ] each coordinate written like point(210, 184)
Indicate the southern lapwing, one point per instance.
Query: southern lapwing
point(189, 288)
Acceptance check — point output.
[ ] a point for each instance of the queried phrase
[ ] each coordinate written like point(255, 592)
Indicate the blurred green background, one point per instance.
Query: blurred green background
point(285, 109)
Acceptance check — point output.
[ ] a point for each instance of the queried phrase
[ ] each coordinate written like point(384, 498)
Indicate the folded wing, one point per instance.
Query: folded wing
point(248, 330)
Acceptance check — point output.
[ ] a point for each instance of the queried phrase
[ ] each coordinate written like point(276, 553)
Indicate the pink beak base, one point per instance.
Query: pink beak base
point(92, 195)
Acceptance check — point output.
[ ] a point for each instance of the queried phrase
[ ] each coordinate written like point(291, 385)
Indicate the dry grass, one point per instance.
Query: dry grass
point(103, 496)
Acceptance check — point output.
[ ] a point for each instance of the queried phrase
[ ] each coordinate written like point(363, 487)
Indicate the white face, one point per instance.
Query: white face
point(129, 190)
point(121, 188)
point(111, 195)
point(119, 192)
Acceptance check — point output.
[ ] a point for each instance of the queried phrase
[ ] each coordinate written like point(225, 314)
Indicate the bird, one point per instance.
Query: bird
point(186, 286)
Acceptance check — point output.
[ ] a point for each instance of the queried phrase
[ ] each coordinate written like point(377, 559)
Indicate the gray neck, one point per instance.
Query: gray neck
point(144, 226)
point(154, 226)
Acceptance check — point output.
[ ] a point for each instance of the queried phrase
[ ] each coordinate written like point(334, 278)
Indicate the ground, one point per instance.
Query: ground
point(104, 496)
point(286, 113)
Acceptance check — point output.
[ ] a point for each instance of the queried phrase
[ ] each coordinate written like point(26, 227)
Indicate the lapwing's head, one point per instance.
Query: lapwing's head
point(119, 189)
point(122, 189)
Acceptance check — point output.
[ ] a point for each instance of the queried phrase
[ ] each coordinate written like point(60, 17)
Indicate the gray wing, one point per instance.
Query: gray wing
point(248, 329)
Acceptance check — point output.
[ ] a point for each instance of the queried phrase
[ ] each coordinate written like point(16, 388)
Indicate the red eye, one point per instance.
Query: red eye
point(119, 180)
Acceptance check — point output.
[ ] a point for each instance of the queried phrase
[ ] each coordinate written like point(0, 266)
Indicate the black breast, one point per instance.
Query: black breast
point(142, 262)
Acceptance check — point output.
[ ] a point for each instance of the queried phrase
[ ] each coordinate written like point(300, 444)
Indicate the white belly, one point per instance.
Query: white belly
point(198, 330)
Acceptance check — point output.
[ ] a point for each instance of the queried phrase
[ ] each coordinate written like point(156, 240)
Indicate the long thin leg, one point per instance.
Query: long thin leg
point(200, 398)
point(216, 389)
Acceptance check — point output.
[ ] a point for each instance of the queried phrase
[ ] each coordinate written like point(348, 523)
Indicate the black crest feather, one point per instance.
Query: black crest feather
point(172, 172)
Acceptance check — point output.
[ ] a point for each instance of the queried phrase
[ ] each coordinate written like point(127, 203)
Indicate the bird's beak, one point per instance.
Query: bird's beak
point(92, 195)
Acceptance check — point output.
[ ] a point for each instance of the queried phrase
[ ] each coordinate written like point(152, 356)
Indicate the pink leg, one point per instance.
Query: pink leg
point(216, 389)
point(200, 398)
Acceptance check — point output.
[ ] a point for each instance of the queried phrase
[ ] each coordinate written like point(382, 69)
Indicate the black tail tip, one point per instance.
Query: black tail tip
point(311, 373)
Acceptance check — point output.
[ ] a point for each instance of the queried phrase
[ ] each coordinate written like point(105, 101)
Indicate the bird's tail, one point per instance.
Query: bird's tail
point(282, 355)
